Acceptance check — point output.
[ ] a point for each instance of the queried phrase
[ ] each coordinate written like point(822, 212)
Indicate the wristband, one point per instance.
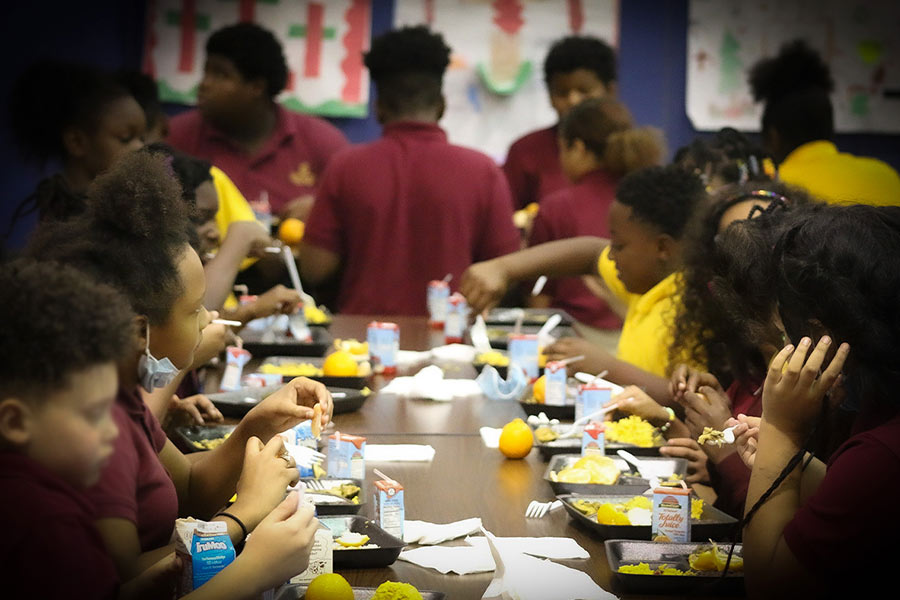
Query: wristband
point(668, 423)
point(240, 545)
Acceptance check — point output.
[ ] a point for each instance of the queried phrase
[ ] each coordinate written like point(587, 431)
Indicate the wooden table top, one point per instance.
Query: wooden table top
point(465, 479)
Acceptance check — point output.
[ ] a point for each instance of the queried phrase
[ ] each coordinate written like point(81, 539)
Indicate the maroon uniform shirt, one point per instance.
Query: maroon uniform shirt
point(49, 547)
point(580, 209)
point(404, 210)
point(288, 165)
point(135, 485)
point(532, 167)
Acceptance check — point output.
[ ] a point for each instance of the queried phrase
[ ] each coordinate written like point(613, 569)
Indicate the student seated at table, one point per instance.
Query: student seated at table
point(267, 150)
point(410, 207)
point(837, 297)
point(598, 144)
point(798, 131)
point(639, 263)
point(134, 236)
point(78, 117)
point(576, 67)
point(728, 157)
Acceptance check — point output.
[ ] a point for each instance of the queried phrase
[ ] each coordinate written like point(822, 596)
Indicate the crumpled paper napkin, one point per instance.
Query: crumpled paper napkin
point(430, 383)
point(423, 532)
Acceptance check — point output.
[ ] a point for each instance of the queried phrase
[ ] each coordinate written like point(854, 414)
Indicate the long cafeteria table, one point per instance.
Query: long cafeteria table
point(466, 479)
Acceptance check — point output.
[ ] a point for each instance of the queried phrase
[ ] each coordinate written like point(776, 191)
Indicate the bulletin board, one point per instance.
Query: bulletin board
point(857, 38)
point(495, 87)
point(323, 43)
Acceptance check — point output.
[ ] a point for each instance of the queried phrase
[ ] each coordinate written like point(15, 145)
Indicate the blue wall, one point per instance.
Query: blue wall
point(110, 33)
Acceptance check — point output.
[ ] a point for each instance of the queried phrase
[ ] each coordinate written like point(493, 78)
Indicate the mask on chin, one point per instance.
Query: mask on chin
point(152, 372)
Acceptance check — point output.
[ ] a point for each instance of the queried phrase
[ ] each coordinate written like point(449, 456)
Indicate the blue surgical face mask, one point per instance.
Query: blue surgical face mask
point(497, 388)
point(154, 373)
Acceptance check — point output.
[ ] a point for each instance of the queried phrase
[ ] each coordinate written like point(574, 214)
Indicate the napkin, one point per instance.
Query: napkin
point(422, 532)
point(462, 353)
point(399, 453)
point(430, 383)
point(559, 548)
point(490, 436)
point(522, 577)
point(407, 358)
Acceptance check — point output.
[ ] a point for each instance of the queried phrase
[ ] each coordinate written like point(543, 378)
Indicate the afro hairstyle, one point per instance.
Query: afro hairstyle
point(255, 52)
point(581, 52)
point(662, 197)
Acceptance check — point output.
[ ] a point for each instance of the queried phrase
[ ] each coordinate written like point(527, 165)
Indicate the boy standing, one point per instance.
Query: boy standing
point(410, 207)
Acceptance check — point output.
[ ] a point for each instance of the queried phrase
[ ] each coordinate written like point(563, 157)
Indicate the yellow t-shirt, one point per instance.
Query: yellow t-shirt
point(840, 178)
point(647, 330)
point(233, 207)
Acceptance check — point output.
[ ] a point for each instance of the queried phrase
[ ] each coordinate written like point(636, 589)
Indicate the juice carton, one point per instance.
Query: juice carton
point(555, 383)
point(262, 379)
point(301, 435)
point(389, 508)
point(438, 294)
point(523, 351)
point(205, 549)
point(321, 556)
point(346, 456)
point(671, 514)
point(384, 343)
point(457, 316)
point(591, 398)
point(593, 440)
point(235, 358)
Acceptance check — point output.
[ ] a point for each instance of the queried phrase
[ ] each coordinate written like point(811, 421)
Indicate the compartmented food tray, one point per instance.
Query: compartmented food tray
point(629, 481)
point(713, 523)
point(354, 382)
point(655, 554)
point(329, 505)
point(197, 438)
point(389, 547)
point(285, 345)
point(236, 404)
point(566, 412)
point(293, 591)
point(533, 316)
point(498, 335)
point(573, 446)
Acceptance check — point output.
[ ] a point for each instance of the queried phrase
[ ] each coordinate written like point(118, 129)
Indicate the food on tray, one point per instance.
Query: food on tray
point(711, 557)
point(711, 436)
point(351, 539)
point(352, 346)
point(493, 358)
point(545, 434)
point(392, 590)
point(589, 469)
point(329, 586)
point(292, 369)
point(340, 363)
point(633, 430)
point(696, 508)
point(315, 315)
point(644, 569)
point(210, 443)
point(635, 511)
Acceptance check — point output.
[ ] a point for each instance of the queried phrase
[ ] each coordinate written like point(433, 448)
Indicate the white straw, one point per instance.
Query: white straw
point(539, 285)
point(227, 322)
point(385, 477)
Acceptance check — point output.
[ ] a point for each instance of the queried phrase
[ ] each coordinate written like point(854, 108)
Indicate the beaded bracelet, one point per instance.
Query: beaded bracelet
point(668, 424)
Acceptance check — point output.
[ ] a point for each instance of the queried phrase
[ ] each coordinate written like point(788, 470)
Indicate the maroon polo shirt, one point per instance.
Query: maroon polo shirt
point(579, 209)
point(731, 477)
point(288, 165)
point(406, 209)
point(135, 485)
point(532, 167)
point(850, 523)
point(49, 547)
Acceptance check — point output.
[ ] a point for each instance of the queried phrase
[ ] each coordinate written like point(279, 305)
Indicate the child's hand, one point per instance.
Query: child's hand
point(278, 300)
point(595, 360)
point(635, 401)
point(288, 406)
point(746, 436)
point(251, 236)
point(707, 407)
point(193, 410)
point(687, 379)
point(689, 449)
point(483, 284)
point(266, 474)
point(279, 547)
point(794, 388)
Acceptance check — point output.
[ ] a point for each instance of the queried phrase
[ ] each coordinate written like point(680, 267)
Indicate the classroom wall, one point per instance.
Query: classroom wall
point(109, 33)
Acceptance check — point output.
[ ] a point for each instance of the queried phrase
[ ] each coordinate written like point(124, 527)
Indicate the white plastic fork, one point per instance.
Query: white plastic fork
point(537, 510)
point(305, 457)
point(573, 430)
point(314, 485)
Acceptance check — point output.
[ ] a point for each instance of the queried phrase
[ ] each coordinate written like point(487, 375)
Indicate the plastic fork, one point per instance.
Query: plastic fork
point(537, 510)
point(314, 485)
point(479, 335)
point(305, 457)
point(573, 430)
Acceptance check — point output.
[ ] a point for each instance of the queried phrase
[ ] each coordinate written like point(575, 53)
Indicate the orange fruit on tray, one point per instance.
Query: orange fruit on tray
point(340, 364)
point(539, 389)
point(516, 439)
point(329, 586)
point(291, 231)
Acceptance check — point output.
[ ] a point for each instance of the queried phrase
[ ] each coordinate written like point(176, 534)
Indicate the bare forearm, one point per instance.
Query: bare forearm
point(624, 373)
point(560, 258)
point(234, 582)
point(214, 476)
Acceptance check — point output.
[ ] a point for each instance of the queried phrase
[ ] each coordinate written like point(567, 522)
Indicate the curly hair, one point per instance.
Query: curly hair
point(729, 155)
point(726, 296)
point(407, 66)
point(795, 86)
point(606, 128)
point(132, 235)
point(255, 52)
point(581, 52)
point(662, 197)
point(56, 322)
point(191, 172)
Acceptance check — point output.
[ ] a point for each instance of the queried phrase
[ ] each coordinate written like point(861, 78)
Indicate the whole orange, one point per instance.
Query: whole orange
point(329, 586)
point(340, 364)
point(539, 389)
point(291, 231)
point(516, 439)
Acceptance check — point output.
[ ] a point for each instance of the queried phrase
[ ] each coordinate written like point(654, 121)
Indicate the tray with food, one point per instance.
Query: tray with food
point(629, 433)
point(361, 544)
point(596, 474)
point(670, 568)
point(530, 316)
point(290, 366)
point(317, 316)
point(268, 343)
point(237, 403)
point(333, 496)
point(498, 335)
point(616, 516)
point(196, 438)
point(389, 590)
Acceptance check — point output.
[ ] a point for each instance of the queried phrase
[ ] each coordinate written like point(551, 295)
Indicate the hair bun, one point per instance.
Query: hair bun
point(797, 67)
